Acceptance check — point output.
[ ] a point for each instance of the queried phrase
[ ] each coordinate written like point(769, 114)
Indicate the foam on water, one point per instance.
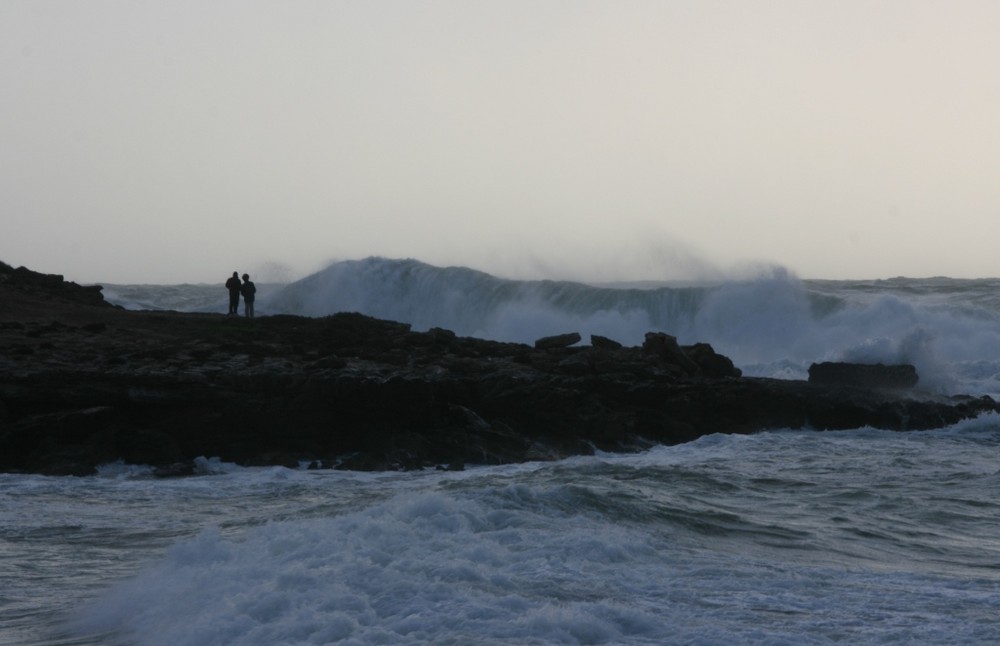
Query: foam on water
point(860, 537)
point(415, 568)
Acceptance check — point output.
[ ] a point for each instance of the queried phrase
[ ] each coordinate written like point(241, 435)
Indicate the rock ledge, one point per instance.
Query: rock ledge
point(83, 383)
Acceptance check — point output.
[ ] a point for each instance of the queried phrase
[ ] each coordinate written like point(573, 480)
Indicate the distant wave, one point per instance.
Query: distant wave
point(773, 325)
point(474, 303)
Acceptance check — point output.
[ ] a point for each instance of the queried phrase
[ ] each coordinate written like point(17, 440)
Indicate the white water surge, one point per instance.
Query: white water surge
point(783, 537)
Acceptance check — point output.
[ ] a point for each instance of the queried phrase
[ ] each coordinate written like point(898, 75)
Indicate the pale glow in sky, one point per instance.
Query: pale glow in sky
point(179, 141)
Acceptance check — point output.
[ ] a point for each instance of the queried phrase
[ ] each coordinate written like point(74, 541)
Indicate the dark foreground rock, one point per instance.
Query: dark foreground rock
point(83, 384)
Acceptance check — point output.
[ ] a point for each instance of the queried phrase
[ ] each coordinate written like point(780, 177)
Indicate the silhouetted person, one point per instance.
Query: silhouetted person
point(249, 290)
point(234, 287)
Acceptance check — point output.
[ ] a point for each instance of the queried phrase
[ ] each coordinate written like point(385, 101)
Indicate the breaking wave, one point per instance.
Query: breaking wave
point(772, 325)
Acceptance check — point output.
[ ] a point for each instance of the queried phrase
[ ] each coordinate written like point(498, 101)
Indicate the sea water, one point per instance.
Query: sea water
point(783, 537)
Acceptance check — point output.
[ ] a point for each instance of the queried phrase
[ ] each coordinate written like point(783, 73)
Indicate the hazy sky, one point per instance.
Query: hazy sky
point(178, 141)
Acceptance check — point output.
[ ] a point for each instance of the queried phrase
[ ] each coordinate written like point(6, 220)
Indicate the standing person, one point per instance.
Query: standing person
point(248, 289)
point(234, 287)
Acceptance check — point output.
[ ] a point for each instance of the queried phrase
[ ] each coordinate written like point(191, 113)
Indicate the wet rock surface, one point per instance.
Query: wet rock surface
point(83, 383)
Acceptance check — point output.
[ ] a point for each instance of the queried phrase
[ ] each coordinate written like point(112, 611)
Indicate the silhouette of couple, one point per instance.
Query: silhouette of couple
point(247, 288)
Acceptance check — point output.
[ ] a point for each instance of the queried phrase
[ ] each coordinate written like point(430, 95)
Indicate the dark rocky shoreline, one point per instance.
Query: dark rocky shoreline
point(83, 383)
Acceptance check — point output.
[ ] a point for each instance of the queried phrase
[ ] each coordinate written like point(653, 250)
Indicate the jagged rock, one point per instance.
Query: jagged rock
point(864, 375)
point(557, 341)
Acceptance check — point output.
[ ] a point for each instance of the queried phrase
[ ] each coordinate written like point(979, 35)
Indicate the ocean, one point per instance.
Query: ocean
point(782, 537)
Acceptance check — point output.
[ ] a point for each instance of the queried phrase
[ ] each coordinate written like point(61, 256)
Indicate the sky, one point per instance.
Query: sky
point(167, 142)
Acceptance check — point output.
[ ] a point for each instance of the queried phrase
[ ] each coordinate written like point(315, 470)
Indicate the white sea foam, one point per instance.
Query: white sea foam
point(387, 574)
point(773, 538)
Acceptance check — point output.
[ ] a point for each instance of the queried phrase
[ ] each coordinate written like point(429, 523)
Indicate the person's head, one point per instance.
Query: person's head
point(235, 275)
point(246, 276)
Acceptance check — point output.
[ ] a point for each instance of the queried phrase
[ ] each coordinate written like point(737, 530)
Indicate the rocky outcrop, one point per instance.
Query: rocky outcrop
point(83, 384)
point(31, 284)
